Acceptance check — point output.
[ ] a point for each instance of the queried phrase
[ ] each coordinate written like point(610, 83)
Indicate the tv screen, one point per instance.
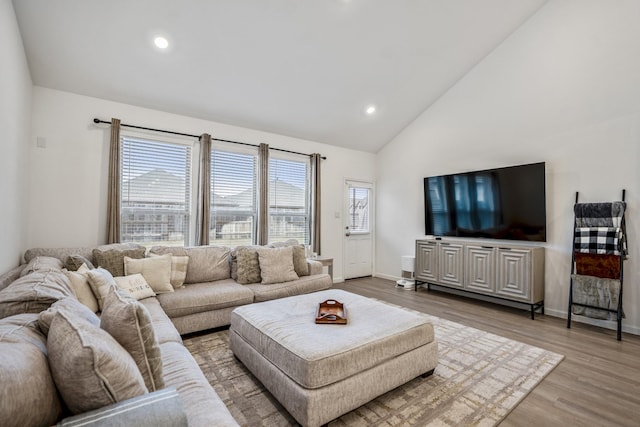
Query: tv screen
point(505, 203)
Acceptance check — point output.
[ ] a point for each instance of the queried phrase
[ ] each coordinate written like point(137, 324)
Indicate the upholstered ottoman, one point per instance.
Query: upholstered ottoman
point(319, 372)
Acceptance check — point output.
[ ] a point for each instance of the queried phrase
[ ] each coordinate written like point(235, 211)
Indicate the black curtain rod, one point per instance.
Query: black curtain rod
point(96, 121)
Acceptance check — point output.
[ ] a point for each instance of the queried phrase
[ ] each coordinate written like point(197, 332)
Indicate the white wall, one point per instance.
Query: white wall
point(67, 196)
point(15, 117)
point(564, 89)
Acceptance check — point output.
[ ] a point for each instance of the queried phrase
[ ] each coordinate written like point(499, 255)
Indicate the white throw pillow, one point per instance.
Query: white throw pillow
point(100, 280)
point(179, 266)
point(136, 285)
point(80, 283)
point(156, 271)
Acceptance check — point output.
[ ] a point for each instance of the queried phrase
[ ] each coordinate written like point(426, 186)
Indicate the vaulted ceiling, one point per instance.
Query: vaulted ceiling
point(302, 68)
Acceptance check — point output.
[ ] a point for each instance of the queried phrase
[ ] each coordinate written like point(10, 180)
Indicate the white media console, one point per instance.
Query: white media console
point(508, 271)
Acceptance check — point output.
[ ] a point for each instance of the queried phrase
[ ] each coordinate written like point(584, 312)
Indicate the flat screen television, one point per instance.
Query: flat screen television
point(505, 203)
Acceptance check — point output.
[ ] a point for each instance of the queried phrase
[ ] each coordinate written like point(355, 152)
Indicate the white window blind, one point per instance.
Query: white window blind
point(289, 199)
point(155, 192)
point(233, 198)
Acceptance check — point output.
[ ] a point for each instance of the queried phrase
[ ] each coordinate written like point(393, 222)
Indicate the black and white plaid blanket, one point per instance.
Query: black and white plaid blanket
point(601, 216)
point(599, 240)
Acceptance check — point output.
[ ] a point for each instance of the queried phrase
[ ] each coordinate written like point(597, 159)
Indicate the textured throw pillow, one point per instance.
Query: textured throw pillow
point(74, 262)
point(156, 271)
point(42, 264)
point(135, 284)
point(248, 270)
point(300, 261)
point(100, 281)
point(89, 367)
point(113, 259)
point(68, 304)
point(129, 322)
point(179, 266)
point(80, 284)
point(34, 293)
point(276, 265)
point(28, 395)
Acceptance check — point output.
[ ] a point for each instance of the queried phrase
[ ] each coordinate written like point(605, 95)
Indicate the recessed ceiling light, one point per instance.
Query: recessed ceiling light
point(370, 109)
point(161, 42)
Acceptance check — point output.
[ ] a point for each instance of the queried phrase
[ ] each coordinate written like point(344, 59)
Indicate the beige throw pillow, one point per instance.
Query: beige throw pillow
point(248, 266)
point(206, 263)
point(100, 281)
point(276, 265)
point(89, 367)
point(179, 266)
point(156, 271)
point(81, 287)
point(129, 322)
point(135, 285)
point(28, 395)
point(68, 304)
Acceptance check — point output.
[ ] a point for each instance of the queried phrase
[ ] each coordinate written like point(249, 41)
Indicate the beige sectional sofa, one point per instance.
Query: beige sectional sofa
point(210, 292)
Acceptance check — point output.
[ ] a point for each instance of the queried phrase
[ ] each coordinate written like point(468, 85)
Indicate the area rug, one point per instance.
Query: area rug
point(480, 378)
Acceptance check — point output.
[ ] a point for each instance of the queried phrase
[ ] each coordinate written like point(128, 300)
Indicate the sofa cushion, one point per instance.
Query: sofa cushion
point(100, 280)
point(60, 253)
point(162, 326)
point(74, 262)
point(42, 264)
point(276, 265)
point(248, 266)
point(303, 285)
point(28, 395)
point(113, 259)
point(81, 288)
point(69, 304)
point(136, 285)
point(201, 403)
point(160, 408)
point(34, 293)
point(179, 265)
point(10, 276)
point(206, 263)
point(156, 271)
point(89, 367)
point(201, 297)
point(129, 322)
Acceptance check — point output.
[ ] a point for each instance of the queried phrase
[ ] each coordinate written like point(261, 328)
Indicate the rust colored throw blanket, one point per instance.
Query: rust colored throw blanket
point(606, 266)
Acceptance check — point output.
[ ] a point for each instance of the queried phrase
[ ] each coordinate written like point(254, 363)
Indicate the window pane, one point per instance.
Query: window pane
point(233, 198)
point(289, 200)
point(156, 190)
point(358, 210)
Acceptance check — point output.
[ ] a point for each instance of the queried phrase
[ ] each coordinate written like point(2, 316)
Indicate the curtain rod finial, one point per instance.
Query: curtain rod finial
point(96, 121)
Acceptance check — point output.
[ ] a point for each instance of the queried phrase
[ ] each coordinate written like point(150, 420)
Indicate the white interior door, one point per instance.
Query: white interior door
point(358, 232)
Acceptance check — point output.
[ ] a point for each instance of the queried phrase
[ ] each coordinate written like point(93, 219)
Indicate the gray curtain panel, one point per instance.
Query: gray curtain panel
point(113, 195)
point(204, 191)
point(263, 198)
point(316, 159)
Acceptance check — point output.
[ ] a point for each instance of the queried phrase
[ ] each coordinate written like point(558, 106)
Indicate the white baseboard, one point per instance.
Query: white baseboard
point(607, 324)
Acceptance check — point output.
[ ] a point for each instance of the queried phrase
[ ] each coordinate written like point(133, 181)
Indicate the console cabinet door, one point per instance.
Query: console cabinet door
point(451, 265)
point(480, 266)
point(514, 274)
point(426, 261)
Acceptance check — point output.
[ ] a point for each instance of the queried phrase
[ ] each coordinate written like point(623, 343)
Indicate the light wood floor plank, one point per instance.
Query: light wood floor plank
point(597, 384)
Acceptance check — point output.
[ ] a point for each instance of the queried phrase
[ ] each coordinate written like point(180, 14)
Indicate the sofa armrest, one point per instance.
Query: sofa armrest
point(161, 408)
point(315, 267)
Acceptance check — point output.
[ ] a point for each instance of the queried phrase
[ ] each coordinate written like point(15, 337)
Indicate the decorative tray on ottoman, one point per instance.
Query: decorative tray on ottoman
point(333, 312)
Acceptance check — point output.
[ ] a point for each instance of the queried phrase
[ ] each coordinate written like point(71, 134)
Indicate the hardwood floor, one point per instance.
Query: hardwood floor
point(597, 384)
